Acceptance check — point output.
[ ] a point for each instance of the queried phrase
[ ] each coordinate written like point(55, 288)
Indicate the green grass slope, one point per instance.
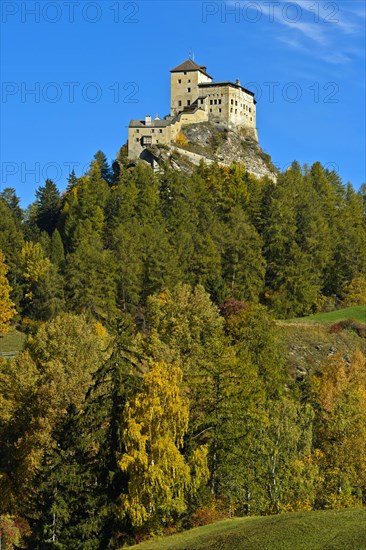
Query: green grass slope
point(319, 530)
point(358, 313)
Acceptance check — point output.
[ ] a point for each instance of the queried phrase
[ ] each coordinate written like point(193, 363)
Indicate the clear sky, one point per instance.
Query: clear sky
point(75, 72)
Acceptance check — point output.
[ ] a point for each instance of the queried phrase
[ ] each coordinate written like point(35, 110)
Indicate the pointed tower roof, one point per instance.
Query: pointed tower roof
point(190, 65)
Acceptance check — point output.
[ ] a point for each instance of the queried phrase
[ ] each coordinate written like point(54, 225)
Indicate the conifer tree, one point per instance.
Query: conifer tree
point(71, 181)
point(78, 488)
point(105, 169)
point(90, 277)
point(243, 262)
point(57, 254)
point(8, 195)
point(47, 206)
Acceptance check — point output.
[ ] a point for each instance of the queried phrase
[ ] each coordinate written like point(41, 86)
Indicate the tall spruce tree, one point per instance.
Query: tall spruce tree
point(47, 206)
point(78, 489)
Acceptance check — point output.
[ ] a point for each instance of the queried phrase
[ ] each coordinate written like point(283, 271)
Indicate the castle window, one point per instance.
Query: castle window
point(215, 101)
point(179, 103)
point(232, 102)
point(188, 102)
point(137, 131)
point(160, 131)
point(219, 110)
point(236, 103)
point(231, 109)
point(250, 110)
point(137, 139)
point(236, 111)
point(219, 101)
point(153, 131)
point(189, 80)
point(157, 141)
point(211, 101)
point(147, 140)
point(179, 81)
point(251, 118)
point(185, 72)
point(210, 110)
point(201, 101)
point(188, 90)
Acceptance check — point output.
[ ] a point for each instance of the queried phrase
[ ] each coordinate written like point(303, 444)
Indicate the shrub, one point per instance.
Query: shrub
point(181, 140)
point(336, 328)
point(207, 515)
point(348, 324)
point(355, 293)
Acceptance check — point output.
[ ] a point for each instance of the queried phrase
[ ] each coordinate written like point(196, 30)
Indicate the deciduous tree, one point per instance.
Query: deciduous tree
point(154, 424)
point(7, 309)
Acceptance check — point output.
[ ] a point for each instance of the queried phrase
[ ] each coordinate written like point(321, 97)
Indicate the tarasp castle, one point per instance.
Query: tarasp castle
point(195, 98)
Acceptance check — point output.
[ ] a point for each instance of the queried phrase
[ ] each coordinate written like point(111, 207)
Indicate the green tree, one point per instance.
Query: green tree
point(105, 169)
point(297, 246)
point(48, 297)
point(350, 255)
point(126, 246)
point(57, 254)
point(47, 206)
point(11, 242)
point(71, 181)
point(90, 277)
point(83, 207)
point(75, 500)
point(8, 195)
point(52, 374)
point(243, 262)
point(186, 327)
point(355, 292)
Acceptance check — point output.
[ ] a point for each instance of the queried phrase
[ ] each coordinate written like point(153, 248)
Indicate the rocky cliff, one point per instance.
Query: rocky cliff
point(214, 144)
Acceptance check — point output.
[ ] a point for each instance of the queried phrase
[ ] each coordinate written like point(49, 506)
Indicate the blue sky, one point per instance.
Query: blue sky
point(93, 66)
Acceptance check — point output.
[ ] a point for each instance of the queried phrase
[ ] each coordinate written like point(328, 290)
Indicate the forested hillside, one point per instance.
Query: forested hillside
point(154, 391)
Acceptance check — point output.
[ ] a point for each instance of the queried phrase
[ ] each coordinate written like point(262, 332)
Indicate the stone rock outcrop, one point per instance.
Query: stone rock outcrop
point(210, 143)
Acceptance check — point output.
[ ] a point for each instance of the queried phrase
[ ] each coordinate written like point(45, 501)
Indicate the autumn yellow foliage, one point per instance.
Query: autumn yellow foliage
point(154, 424)
point(7, 308)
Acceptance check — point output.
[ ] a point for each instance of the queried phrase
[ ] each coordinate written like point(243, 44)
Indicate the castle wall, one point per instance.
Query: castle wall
point(142, 136)
point(230, 106)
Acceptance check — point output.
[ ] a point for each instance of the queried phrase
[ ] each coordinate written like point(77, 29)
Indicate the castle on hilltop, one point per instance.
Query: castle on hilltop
point(195, 98)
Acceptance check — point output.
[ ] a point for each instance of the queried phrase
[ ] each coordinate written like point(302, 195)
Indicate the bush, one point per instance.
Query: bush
point(207, 515)
point(181, 140)
point(336, 328)
point(348, 324)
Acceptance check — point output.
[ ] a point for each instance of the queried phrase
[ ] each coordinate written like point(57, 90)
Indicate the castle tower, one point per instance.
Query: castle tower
point(184, 83)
